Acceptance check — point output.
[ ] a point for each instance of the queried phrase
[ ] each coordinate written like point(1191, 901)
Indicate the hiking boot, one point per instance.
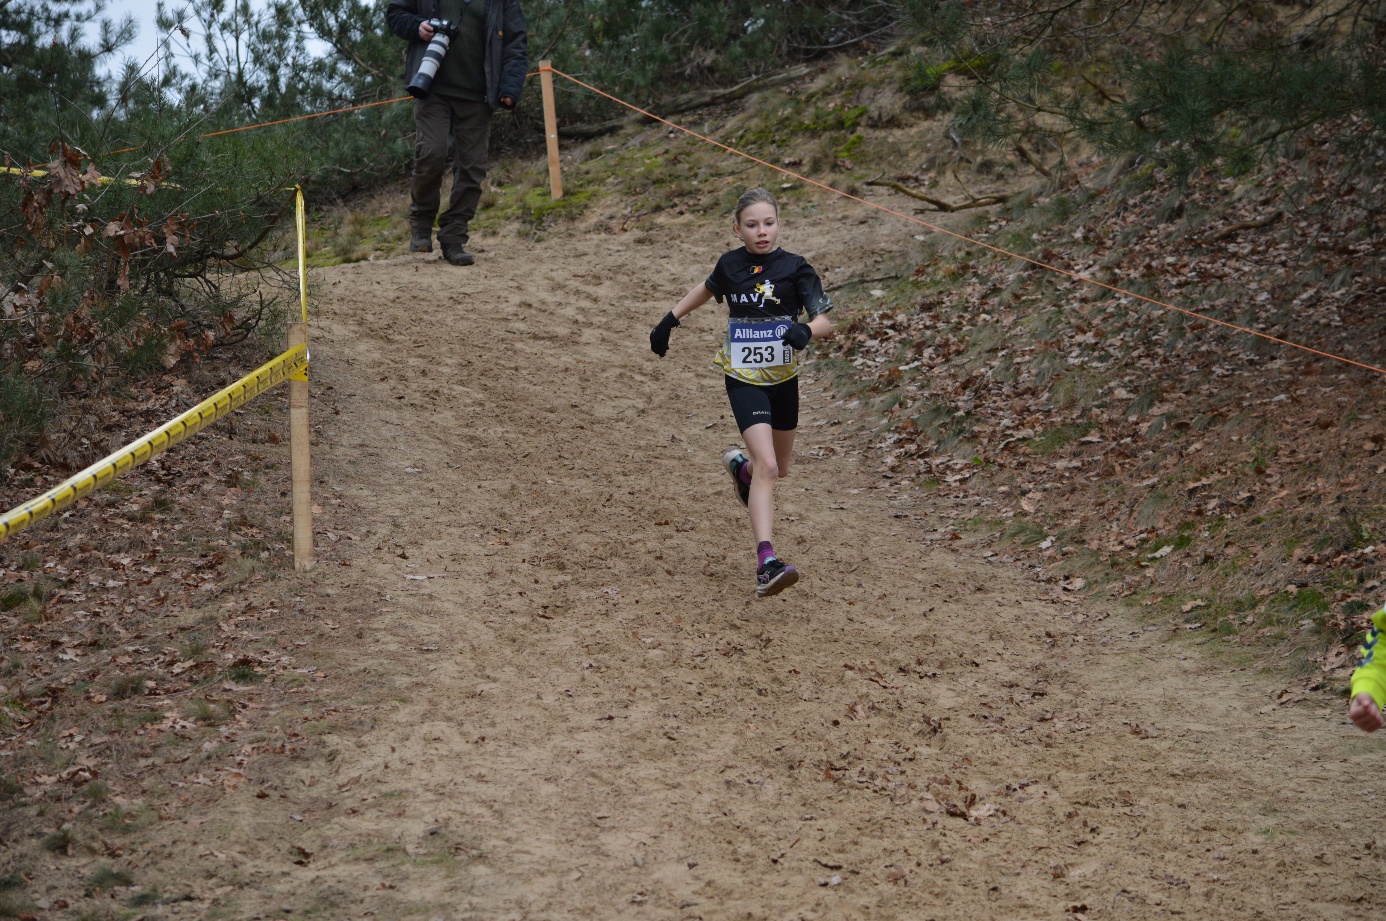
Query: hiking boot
point(420, 241)
point(734, 460)
point(455, 254)
point(774, 577)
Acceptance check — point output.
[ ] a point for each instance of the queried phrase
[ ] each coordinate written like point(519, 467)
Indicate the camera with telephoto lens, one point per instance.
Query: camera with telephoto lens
point(443, 32)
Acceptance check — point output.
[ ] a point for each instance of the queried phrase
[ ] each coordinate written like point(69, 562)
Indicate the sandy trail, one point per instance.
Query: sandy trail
point(573, 705)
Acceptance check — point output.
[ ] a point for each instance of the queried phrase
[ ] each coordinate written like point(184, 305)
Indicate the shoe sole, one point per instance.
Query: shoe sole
point(787, 577)
point(743, 490)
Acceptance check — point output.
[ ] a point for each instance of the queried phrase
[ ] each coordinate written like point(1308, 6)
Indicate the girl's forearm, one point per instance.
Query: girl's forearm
point(692, 301)
point(821, 326)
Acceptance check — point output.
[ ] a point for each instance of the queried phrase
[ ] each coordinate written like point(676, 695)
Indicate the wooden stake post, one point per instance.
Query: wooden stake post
point(551, 128)
point(298, 451)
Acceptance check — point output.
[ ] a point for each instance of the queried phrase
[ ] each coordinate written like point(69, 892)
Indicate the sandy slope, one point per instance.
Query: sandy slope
point(573, 706)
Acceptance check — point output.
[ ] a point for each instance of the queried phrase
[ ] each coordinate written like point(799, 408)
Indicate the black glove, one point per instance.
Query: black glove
point(659, 336)
point(797, 336)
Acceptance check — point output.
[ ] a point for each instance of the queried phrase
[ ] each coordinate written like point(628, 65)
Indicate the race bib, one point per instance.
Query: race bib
point(756, 343)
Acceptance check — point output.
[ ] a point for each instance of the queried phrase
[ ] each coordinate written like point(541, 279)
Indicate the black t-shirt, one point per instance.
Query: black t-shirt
point(775, 285)
point(778, 284)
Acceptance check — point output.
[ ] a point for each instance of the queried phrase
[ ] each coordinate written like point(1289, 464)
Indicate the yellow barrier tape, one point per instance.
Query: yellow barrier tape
point(156, 442)
point(302, 250)
point(103, 180)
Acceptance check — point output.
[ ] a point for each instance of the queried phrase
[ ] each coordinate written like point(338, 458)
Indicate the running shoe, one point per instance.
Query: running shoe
point(734, 460)
point(774, 577)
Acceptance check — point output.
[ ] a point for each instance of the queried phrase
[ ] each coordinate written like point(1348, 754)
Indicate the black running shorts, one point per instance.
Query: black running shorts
point(754, 404)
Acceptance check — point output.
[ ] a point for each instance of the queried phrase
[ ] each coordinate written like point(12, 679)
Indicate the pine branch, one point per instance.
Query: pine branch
point(938, 203)
point(1033, 161)
point(1238, 227)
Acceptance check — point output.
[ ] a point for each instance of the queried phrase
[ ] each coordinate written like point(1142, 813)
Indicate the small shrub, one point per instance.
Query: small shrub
point(126, 686)
point(1310, 602)
point(244, 674)
point(1356, 608)
point(108, 877)
point(194, 648)
point(23, 410)
point(95, 914)
point(1148, 514)
point(201, 710)
point(123, 821)
point(59, 842)
point(1025, 533)
point(96, 791)
point(124, 720)
point(16, 905)
point(1059, 437)
point(242, 569)
point(9, 708)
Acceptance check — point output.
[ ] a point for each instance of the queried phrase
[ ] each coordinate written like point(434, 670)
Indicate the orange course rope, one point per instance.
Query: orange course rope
point(298, 118)
point(996, 249)
point(285, 121)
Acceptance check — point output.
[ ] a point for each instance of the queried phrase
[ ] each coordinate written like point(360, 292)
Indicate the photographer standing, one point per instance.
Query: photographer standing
point(483, 67)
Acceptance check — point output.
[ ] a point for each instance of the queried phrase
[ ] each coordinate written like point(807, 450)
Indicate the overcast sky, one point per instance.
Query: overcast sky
point(143, 47)
point(142, 11)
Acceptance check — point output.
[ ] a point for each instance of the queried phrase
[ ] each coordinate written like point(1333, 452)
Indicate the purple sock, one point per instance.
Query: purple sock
point(745, 473)
point(764, 552)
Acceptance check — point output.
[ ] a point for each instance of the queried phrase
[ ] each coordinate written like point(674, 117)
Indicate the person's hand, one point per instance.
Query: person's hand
point(426, 31)
point(797, 336)
point(659, 336)
point(1365, 714)
point(507, 102)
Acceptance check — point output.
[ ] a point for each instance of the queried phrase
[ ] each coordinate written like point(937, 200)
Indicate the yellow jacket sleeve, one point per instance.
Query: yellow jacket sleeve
point(1370, 676)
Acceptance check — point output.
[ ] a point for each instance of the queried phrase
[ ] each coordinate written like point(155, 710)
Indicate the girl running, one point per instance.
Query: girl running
point(765, 289)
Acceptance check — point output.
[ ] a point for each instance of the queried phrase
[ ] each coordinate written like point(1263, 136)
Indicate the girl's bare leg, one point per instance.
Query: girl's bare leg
point(784, 450)
point(765, 470)
point(771, 452)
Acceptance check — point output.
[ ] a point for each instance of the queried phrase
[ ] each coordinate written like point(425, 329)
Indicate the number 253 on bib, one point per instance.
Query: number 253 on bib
point(756, 344)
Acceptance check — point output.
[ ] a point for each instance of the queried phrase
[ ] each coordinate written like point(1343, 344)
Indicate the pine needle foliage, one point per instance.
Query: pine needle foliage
point(1184, 85)
point(124, 235)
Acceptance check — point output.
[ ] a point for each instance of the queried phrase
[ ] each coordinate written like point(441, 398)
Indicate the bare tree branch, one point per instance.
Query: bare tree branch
point(938, 203)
